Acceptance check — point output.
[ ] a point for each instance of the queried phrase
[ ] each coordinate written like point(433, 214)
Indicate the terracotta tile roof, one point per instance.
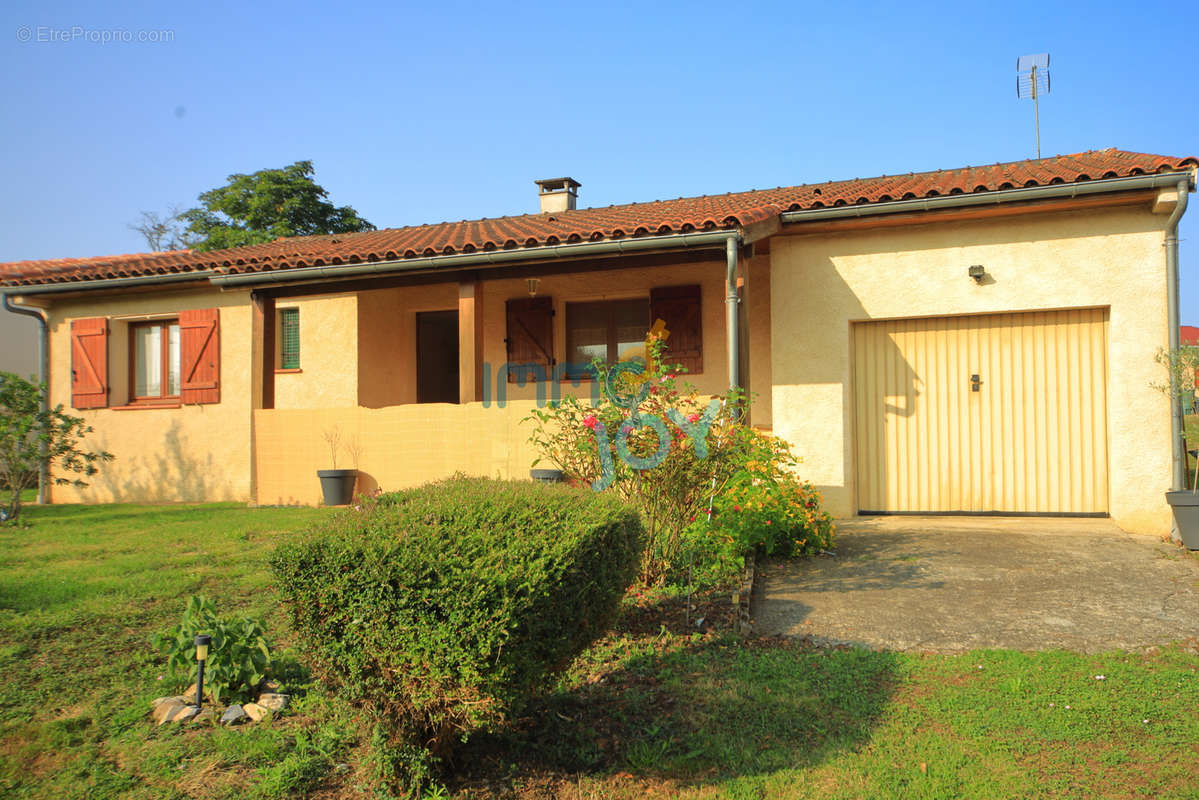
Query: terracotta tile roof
point(737, 209)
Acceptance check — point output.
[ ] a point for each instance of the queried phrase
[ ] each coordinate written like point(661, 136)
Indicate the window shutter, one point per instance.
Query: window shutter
point(679, 307)
point(200, 355)
point(530, 332)
point(89, 363)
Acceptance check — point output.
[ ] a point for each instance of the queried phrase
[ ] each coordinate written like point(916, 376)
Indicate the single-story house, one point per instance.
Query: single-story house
point(973, 340)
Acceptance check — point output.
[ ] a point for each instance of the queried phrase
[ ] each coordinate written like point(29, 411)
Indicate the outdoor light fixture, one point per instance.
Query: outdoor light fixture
point(533, 283)
point(202, 642)
point(977, 272)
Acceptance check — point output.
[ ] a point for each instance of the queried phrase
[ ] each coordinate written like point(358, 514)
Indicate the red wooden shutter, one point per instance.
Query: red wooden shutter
point(679, 307)
point(530, 331)
point(89, 363)
point(200, 355)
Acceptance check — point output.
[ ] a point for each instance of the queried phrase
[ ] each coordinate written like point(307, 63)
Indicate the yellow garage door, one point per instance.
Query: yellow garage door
point(998, 413)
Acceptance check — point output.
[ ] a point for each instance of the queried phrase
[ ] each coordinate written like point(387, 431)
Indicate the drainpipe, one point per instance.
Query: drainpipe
point(731, 246)
point(43, 476)
point(1177, 444)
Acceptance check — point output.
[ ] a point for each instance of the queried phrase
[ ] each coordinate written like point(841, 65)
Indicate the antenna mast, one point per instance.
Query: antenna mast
point(1032, 80)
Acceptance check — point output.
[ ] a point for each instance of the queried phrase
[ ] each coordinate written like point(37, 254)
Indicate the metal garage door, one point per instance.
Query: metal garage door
point(996, 413)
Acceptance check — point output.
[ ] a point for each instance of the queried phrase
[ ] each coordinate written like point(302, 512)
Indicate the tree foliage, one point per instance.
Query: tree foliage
point(31, 436)
point(267, 205)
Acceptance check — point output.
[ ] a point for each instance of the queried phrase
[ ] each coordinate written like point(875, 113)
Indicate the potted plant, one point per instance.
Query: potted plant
point(337, 485)
point(1182, 365)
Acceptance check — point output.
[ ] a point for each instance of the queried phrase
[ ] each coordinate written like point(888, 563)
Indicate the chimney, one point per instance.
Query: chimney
point(558, 194)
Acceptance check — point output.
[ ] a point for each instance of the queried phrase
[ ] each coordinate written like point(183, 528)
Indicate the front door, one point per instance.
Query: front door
point(437, 357)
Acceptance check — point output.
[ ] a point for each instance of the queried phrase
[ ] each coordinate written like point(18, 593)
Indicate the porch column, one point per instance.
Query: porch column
point(470, 341)
point(262, 370)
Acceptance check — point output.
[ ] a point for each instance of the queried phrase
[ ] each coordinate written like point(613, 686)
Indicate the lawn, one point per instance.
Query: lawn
point(655, 710)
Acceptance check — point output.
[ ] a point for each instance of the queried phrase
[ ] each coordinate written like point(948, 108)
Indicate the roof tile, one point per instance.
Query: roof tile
point(736, 209)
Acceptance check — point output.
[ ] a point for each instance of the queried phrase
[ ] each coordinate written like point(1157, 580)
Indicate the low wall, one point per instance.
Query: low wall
point(400, 446)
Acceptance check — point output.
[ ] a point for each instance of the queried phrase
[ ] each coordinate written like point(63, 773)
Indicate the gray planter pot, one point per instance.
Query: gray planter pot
point(547, 475)
point(1185, 506)
point(337, 485)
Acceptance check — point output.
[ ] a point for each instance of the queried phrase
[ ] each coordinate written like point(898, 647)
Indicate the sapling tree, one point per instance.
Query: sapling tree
point(31, 436)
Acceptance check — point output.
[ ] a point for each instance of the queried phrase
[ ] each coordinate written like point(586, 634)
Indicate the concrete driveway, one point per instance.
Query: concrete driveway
point(949, 584)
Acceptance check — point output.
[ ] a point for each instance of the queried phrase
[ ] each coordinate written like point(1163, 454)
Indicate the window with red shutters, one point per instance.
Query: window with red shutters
point(200, 355)
point(89, 363)
point(680, 308)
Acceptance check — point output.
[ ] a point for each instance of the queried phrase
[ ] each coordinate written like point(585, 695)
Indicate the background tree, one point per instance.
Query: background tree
point(30, 435)
point(257, 208)
point(163, 231)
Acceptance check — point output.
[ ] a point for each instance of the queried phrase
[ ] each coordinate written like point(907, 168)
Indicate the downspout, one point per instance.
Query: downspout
point(43, 475)
point(1177, 443)
point(731, 246)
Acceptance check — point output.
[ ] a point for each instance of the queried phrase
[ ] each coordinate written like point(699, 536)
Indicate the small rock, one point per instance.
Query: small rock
point(190, 694)
point(177, 698)
point(233, 715)
point(174, 712)
point(205, 717)
point(273, 702)
point(254, 711)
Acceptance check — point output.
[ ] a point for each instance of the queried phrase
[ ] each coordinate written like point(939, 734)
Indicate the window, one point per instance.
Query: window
point(155, 373)
point(288, 338)
point(609, 330)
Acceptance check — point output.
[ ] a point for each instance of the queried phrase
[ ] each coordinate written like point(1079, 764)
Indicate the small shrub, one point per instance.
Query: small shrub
point(238, 658)
point(582, 439)
point(443, 609)
point(774, 514)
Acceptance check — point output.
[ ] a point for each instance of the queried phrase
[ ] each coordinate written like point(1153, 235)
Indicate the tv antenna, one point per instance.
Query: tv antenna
point(1032, 80)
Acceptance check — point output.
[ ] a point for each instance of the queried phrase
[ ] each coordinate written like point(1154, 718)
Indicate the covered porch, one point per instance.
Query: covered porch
point(422, 376)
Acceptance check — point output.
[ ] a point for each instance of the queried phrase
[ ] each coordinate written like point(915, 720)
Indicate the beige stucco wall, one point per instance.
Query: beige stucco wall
point(398, 446)
point(755, 308)
point(1108, 258)
point(192, 453)
point(387, 340)
point(328, 375)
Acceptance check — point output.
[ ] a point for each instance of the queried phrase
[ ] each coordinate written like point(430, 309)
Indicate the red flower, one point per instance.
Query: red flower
point(736, 508)
point(693, 418)
point(590, 421)
point(767, 522)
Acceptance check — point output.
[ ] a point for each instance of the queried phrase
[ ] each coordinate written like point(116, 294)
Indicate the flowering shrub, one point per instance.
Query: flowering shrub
point(659, 445)
point(760, 509)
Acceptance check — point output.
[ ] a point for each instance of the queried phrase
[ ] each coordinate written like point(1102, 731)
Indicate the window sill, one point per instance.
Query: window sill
point(149, 404)
point(288, 371)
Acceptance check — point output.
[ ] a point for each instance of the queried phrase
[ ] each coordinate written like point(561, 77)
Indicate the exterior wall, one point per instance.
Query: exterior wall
point(399, 446)
point(755, 310)
point(1110, 258)
point(387, 340)
point(328, 375)
point(193, 453)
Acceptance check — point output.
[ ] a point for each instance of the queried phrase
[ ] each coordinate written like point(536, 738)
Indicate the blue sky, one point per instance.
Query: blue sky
point(418, 113)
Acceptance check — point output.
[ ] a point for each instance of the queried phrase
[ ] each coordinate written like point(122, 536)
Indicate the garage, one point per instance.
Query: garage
point(993, 413)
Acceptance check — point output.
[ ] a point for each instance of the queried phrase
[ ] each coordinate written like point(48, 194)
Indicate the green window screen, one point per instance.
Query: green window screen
point(289, 338)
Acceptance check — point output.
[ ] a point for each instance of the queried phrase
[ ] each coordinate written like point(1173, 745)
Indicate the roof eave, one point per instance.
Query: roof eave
point(996, 196)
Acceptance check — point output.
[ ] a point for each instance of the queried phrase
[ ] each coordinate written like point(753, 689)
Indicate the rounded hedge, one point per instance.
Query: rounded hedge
point(442, 609)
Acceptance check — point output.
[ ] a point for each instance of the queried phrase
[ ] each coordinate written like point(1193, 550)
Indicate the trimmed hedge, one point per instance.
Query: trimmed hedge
point(442, 609)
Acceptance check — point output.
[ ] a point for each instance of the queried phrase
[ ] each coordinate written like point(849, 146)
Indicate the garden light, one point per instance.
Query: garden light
point(202, 642)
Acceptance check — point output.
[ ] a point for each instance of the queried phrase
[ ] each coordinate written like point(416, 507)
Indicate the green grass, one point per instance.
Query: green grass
point(653, 711)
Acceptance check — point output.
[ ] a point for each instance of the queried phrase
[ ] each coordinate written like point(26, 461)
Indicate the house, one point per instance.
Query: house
point(975, 340)
point(18, 345)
